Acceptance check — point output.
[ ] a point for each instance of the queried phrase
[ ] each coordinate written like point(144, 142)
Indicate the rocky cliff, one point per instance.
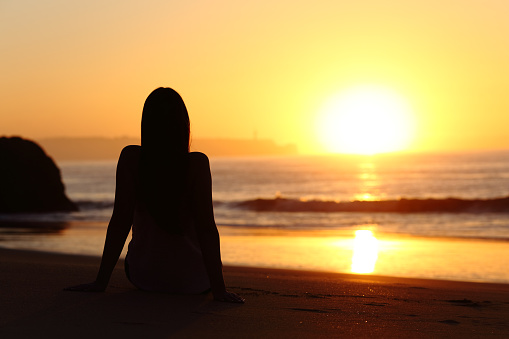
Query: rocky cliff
point(29, 179)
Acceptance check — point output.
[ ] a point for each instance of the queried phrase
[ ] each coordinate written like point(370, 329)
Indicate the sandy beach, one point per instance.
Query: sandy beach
point(279, 304)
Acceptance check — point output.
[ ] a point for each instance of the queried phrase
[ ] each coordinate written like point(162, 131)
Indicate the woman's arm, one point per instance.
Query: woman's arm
point(206, 228)
point(120, 222)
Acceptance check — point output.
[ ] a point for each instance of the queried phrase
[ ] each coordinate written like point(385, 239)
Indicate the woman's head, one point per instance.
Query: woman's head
point(163, 159)
point(165, 122)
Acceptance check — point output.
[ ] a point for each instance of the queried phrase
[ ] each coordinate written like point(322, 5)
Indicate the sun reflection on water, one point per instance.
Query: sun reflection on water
point(365, 197)
point(369, 182)
point(365, 252)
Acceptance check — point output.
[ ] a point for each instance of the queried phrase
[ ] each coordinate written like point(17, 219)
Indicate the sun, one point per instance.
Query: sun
point(365, 120)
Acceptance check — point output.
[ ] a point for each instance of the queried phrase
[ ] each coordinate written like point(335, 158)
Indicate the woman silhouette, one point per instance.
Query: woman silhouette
point(165, 193)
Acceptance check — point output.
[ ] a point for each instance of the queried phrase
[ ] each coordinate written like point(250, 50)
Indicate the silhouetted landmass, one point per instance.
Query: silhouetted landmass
point(234, 147)
point(448, 205)
point(29, 179)
point(109, 149)
point(86, 148)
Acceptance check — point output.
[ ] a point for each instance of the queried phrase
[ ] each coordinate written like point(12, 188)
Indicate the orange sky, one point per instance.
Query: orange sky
point(84, 68)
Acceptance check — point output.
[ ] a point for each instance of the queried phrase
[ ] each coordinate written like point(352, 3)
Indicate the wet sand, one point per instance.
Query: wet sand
point(279, 304)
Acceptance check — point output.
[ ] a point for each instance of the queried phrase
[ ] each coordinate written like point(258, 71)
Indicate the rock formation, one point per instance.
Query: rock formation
point(29, 180)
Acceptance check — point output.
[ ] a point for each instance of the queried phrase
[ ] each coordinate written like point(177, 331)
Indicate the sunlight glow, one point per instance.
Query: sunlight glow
point(365, 197)
point(366, 120)
point(365, 252)
point(368, 182)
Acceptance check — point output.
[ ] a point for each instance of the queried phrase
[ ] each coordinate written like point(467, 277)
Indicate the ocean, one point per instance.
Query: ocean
point(286, 205)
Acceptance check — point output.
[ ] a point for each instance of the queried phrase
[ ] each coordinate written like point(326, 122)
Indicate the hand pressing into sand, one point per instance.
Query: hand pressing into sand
point(90, 287)
point(229, 297)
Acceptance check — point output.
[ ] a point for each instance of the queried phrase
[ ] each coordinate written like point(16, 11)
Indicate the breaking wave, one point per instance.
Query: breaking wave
point(447, 205)
point(85, 205)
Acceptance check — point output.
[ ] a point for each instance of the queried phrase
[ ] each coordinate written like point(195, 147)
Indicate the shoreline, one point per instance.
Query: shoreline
point(279, 303)
point(79, 258)
point(38, 226)
point(382, 254)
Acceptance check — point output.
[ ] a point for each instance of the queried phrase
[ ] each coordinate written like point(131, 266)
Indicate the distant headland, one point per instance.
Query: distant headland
point(98, 148)
point(30, 179)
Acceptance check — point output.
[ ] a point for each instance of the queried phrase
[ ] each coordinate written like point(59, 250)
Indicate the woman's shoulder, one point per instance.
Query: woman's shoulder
point(129, 155)
point(130, 151)
point(198, 157)
point(198, 163)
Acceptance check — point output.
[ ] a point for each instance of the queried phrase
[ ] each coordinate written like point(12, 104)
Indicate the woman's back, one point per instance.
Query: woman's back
point(157, 259)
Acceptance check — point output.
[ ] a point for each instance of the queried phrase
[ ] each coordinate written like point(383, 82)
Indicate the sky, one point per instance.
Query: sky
point(255, 68)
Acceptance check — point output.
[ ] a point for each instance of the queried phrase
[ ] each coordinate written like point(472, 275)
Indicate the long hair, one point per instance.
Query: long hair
point(165, 130)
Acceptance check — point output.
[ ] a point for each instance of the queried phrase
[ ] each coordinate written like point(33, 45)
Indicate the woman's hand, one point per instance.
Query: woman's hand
point(229, 297)
point(90, 287)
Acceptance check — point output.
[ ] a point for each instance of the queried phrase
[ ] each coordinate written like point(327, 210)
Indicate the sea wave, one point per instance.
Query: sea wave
point(85, 205)
point(404, 205)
